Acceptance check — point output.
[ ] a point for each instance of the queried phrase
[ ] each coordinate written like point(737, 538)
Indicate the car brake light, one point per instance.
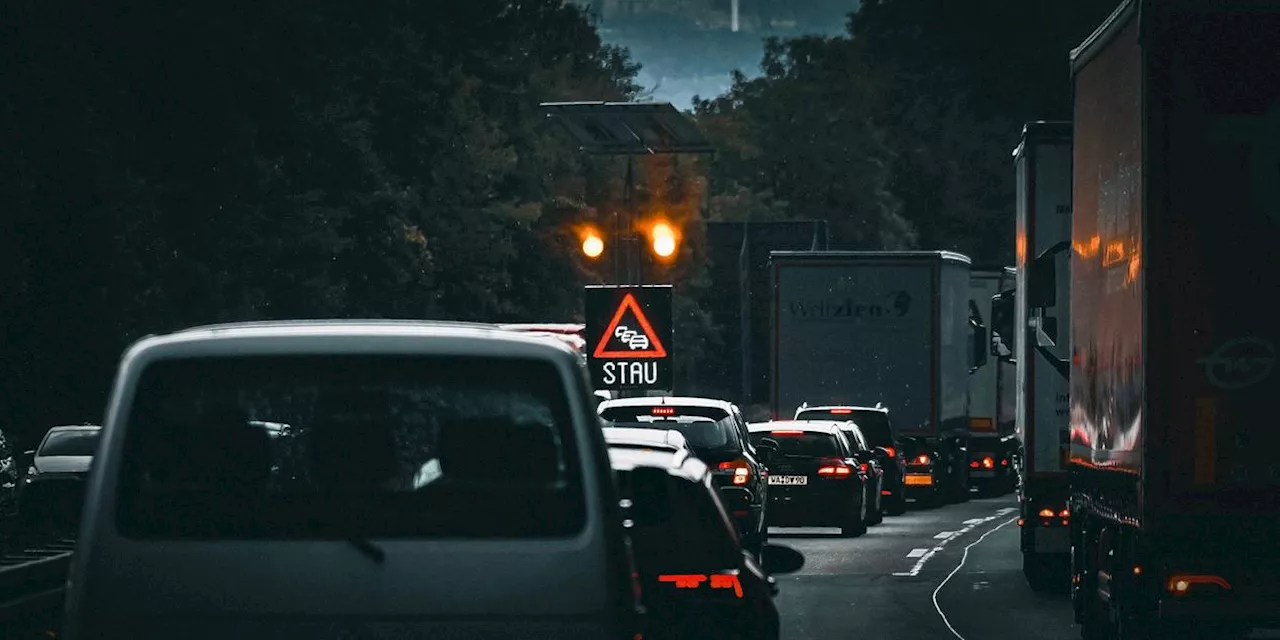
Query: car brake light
point(741, 470)
point(842, 411)
point(988, 463)
point(834, 468)
point(891, 452)
point(921, 459)
point(1046, 513)
point(664, 411)
point(786, 433)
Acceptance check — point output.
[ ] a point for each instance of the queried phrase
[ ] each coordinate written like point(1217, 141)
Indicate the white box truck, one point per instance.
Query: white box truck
point(992, 442)
point(892, 327)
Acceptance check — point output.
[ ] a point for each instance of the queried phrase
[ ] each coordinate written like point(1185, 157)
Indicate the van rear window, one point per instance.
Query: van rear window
point(376, 446)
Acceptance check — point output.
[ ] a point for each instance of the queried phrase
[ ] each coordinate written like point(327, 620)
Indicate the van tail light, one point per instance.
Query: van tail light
point(834, 469)
point(739, 468)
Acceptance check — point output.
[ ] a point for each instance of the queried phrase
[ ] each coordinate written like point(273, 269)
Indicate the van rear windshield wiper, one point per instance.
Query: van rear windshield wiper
point(369, 549)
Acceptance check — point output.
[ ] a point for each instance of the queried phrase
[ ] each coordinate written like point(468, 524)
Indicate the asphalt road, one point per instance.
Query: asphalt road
point(910, 578)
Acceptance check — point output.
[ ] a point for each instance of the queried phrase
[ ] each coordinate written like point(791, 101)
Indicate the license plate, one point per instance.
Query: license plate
point(982, 474)
point(918, 479)
point(1052, 540)
point(791, 480)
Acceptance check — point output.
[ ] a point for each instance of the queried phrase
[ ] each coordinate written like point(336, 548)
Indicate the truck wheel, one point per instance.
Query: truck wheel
point(1038, 574)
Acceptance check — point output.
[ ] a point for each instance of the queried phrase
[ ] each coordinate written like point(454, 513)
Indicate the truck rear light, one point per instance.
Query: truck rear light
point(1183, 584)
point(741, 470)
point(920, 459)
point(988, 463)
point(834, 468)
point(1046, 513)
point(1004, 462)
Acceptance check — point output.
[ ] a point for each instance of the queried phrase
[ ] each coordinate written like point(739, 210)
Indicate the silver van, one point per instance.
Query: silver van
point(437, 480)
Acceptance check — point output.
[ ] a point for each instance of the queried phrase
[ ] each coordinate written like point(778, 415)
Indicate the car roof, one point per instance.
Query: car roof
point(675, 401)
point(679, 463)
point(76, 427)
point(362, 337)
point(851, 407)
point(813, 426)
point(669, 438)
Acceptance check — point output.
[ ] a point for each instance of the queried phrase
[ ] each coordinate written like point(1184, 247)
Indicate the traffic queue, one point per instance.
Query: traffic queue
point(425, 478)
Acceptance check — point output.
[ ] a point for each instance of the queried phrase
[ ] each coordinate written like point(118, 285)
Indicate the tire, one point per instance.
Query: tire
point(1037, 573)
point(877, 516)
point(897, 505)
point(855, 523)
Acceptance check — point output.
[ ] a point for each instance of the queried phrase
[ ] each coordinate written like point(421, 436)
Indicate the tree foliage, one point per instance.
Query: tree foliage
point(899, 132)
point(202, 162)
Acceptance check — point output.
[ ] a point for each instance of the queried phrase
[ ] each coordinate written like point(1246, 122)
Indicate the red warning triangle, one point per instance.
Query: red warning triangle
point(643, 343)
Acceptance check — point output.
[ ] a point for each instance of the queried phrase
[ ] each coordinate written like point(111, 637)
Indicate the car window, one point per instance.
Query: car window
point(874, 424)
point(702, 435)
point(70, 442)
point(808, 444)
point(855, 437)
point(390, 446)
point(696, 539)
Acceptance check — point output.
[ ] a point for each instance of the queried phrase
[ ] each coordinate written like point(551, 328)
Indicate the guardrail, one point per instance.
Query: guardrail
point(33, 577)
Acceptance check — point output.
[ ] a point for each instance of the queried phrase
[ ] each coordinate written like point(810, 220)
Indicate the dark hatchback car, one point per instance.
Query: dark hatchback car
point(882, 437)
point(696, 579)
point(814, 478)
point(717, 434)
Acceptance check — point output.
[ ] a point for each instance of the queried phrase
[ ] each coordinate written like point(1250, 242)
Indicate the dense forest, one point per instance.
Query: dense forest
point(206, 162)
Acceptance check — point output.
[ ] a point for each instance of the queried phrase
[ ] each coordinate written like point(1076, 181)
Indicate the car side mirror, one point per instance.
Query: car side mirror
point(779, 559)
point(650, 496)
point(980, 346)
point(1042, 278)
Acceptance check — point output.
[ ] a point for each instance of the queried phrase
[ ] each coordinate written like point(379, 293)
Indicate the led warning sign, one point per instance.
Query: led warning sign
point(629, 337)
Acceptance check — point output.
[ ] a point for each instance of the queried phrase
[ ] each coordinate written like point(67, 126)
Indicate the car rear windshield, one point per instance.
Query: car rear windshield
point(806, 445)
point(70, 442)
point(873, 424)
point(702, 435)
point(377, 446)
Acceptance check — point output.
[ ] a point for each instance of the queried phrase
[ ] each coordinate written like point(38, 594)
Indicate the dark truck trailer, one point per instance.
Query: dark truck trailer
point(992, 443)
point(865, 327)
point(1175, 487)
point(1041, 349)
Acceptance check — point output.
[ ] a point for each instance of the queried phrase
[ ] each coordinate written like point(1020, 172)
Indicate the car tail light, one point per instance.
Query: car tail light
point(786, 433)
point(741, 470)
point(1182, 584)
point(834, 468)
point(891, 452)
point(664, 411)
point(1046, 513)
point(842, 411)
point(920, 459)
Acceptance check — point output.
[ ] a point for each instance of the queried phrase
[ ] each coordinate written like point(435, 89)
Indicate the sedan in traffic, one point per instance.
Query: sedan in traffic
point(815, 480)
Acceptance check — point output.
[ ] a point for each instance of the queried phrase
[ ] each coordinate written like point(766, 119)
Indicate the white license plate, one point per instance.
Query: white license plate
point(791, 480)
point(1053, 540)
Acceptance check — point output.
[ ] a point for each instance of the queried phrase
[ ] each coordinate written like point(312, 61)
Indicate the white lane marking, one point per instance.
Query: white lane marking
point(949, 536)
point(916, 553)
point(973, 521)
point(1005, 510)
point(956, 570)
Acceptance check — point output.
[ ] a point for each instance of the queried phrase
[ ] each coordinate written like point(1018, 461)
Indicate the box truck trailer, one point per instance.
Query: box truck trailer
point(861, 328)
point(992, 442)
point(1174, 450)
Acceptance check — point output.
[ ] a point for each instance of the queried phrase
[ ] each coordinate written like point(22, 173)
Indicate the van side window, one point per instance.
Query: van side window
point(339, 446)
